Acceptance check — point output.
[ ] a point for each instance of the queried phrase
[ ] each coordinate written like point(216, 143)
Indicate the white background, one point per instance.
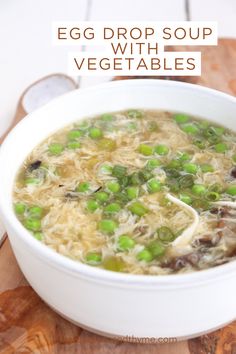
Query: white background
point(26, 53)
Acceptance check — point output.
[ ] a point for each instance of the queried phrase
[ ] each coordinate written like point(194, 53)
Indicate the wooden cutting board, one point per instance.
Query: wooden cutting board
point(28, 325)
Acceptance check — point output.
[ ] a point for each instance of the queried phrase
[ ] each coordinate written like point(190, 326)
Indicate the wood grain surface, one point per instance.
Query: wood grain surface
point(28, 325)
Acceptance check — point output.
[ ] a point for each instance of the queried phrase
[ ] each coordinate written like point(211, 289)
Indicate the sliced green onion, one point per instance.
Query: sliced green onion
point(165, 234)
point(212, 196)
point(119, 171)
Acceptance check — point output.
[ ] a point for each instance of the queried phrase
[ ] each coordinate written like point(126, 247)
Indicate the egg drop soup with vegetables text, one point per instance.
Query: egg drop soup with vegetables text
point(138, 191)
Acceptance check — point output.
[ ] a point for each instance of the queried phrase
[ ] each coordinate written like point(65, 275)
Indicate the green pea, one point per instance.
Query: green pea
point(183, 156)
point(190, 168)
point(74, 134)
point(38, 235)
point(112, 208)
point(33, 224)
point(161, 149)
point(138, 208)
point(106, 144)
point(152, 164)
point(119, 171)
point(31, 180)
point(106, 169)
point(92, 205)
point(157, 249)
point(55, 149)
point(132, 192)
point(231, 190)
point(145, 255)
point(73, 145)
point(113, 186)
point(83, 187)
point(145, 150)
point(35, 212)
point(186, 199)
point(173, 165)
point(154, 185)
point(107, 117)
point(221, 147)
point(234, 158)
point(125, 243)
point(165, 234)
point(181, 118)
point(107, 226)
point(19, 208)
point(102, 196)
point(93, 258)
point(198, 189)
point(134, 113)
point(212, 196)
point(190, 129)
point(207, 168)
point(95, 133)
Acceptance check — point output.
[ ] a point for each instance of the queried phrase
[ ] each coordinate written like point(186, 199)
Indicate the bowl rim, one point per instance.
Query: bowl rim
point(77, 268)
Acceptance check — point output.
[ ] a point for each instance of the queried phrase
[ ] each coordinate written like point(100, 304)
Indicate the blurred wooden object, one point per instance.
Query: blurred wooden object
point(28, 325)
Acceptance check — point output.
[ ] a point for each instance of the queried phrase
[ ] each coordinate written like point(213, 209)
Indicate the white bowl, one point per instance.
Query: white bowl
point(110, 303)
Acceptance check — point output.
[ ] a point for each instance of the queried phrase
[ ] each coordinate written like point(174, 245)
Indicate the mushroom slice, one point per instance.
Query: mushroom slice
point(185, 238)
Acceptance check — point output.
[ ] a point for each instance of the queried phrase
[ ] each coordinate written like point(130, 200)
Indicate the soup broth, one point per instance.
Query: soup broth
point(139, 191)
